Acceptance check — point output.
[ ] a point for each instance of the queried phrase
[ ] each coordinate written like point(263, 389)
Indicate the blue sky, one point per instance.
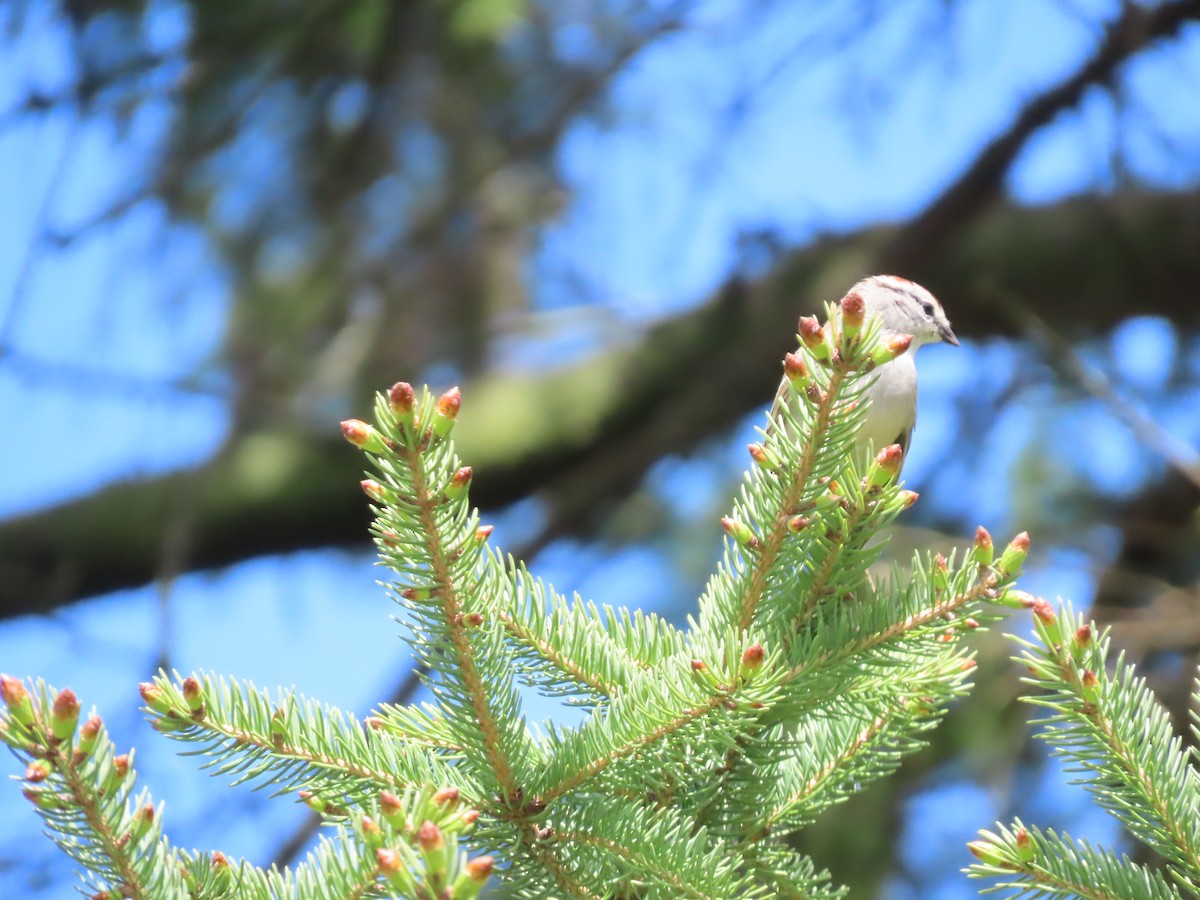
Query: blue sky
point(99, 330)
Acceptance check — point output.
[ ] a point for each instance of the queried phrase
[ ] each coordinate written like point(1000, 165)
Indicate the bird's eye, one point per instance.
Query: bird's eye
point(928, 307)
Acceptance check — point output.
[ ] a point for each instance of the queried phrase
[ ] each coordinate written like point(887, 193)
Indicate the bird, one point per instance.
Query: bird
point(902, 307)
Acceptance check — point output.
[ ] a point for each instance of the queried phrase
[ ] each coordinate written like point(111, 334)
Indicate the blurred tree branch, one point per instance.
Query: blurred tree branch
point(601, 423)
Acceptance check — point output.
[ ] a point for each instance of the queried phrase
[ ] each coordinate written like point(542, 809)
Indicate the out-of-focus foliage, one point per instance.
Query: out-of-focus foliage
point(386, 189)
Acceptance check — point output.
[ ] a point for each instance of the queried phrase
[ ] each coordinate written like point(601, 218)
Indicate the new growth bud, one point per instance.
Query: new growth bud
point(740, 532)
point(17, 699)
point(796, 372)
point(89, 734)
point(392, 809)
point(403, 400)
point(853, 313)
point(64, 715)
point(1081, 642)
point(371, 832)
point(983, 550)
point(1090, 686)
point(434, 849)
point(814, 338)
point(458, 483)
point(154, 697)
point(374, 490)
point(888, 350)
point(1025, 848)
point(480, 868)
point(447, 797)
point(1013, 557)
point(986, 852)
point(193, 694)
point(471, 879)
point(763, 457)
point(752, 658)
point(446, 411)
point(392, 868)
point(886, 466)
point(1046, 621)
point(363, 436)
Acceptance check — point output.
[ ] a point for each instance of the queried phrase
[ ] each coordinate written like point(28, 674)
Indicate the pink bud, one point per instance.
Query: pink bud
point(402, 398)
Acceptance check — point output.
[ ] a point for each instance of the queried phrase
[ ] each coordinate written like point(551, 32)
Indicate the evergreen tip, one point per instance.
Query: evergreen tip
point(795, 371)
point(373, 489)
point(64, 715)
point(193, 693)
point(483, 532)
point(372, 833)
point(17, 699)
point(1044, 611)
point(1013, 558)
point(752, 657)
point(447, 797)
point(814, 338)
point(480, 868)
point(739, 531)
point(1090, 686)
point(388, 861)
point(403, 399)
point(1024, 844)
point(763, 457)
point(888, 350)
point(363, 436)
point(983, 549)
point(89, 734)
point(886, 466)
point(986, 852)
point(459, 482)
point(446, 411)
point(854, 310)
point(392, 809)
point(430, 837)
point(154, 697)
point(38, 770)
point(1083, 637)
point(450, 403)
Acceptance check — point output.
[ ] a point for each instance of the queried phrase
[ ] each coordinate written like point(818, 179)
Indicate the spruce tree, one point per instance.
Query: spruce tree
point(803, 674)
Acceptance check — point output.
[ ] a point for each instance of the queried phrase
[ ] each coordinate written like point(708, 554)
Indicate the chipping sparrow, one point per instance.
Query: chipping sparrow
point(902, 307)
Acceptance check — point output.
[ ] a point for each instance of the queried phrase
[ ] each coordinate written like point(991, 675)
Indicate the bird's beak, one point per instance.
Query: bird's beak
point(947, 335)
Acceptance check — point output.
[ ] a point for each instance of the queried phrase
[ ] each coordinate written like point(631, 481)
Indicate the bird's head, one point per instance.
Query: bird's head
point(904, 307)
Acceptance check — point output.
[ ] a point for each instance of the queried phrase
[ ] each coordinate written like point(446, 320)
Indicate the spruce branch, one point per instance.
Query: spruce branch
point(1033, 863)
point(701, 749)
point(427, 534)
point(1104, 721)
point(288, 744)
point(83, 790)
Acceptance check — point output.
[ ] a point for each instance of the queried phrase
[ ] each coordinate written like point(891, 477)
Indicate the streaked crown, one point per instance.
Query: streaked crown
point(904, 307)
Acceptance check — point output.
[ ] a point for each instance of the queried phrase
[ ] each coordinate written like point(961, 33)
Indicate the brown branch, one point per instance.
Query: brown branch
point(982, 183)
point(279, 491)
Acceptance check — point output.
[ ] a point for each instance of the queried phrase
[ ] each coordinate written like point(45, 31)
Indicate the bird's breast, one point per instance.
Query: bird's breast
point(892, 402)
